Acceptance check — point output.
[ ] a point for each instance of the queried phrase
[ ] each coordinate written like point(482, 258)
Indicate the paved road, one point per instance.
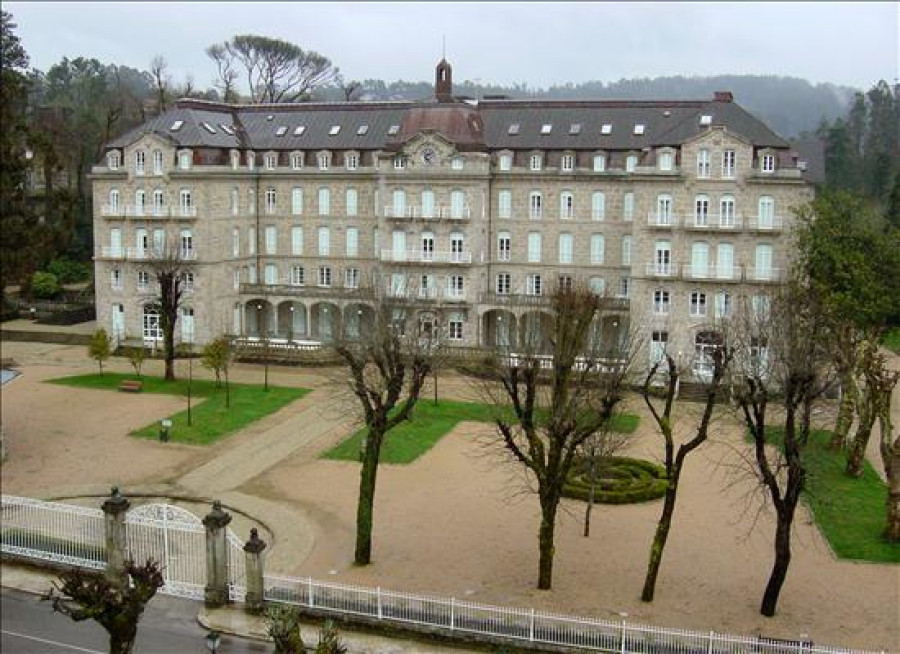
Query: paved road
point(169, 626)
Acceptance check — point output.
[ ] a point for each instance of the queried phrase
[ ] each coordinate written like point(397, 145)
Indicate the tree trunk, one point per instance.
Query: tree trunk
point(845, 411)
point(122, 637)
point(366, 503)
point(857, 451)
point(661, 536)
point(545, 542)
point(592, 476)
point(782, 561)
point(169, 346)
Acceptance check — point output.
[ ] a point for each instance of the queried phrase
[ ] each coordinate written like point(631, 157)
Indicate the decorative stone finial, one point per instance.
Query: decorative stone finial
point(115, 503)
point(255, 544)
point(217, 518)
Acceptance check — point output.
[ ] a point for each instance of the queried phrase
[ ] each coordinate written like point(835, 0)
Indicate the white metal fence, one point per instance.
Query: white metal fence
point(237, 570)
point(537, 627)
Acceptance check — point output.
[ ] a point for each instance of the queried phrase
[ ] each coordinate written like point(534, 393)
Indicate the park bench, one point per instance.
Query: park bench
point(131, 386)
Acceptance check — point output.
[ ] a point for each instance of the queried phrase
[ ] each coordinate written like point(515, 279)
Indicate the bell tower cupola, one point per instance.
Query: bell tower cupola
point(443, 81)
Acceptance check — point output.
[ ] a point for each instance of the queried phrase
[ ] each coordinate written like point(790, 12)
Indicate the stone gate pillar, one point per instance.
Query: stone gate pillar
point(216, 591)
point(253, 550)
point(114, 509)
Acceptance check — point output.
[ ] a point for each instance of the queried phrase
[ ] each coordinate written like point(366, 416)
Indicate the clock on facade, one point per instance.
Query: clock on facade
point(429, 156)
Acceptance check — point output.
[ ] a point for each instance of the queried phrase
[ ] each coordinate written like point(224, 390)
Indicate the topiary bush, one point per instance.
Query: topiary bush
point(620, 480)
point(45, 286)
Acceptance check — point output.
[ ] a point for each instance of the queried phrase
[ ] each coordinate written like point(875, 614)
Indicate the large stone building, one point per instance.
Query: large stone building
point(295, 220)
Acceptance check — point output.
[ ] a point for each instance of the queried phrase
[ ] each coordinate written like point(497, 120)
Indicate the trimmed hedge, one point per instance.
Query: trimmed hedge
point(621, 480)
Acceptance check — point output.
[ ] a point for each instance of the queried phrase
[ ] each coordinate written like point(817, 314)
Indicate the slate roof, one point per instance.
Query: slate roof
point(256, 126)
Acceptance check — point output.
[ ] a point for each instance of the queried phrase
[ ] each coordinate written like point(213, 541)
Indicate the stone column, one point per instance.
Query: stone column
point(114, 509)
point(253, 551)
point(216, 591)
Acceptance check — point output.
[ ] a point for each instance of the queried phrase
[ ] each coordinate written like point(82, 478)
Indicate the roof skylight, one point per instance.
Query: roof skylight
point(513, 129)
point(575, 128)
point(706, 119)
point(606, 128)
point(546, 128)
point(227, 129)
point(393, 130)
point(299, 129)
point(638, 128)
point(362, 130)
point(209, 128)
point(176, 125)
point(281, 131)
point(334, 130)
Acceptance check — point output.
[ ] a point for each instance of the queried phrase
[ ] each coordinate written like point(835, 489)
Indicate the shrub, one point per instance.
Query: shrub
point(70, 272)
point(620, 480)
point(45, 286)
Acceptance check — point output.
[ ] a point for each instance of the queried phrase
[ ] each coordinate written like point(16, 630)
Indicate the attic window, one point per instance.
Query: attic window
point(362, 130)
point(209, 128)
point(638, 128)
point(546, 128)
point(393, 130)
point(606, 128)
point(334, 130)
point(513, 129)
point(575, 128)
point(176, 125)
point(299, 129)
point(227, 129)
point(706, 119)
point(281, 131)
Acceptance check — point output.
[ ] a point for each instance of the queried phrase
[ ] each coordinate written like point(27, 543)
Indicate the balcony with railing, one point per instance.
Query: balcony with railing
point(713, 223)
point(285, 287)
point(425, 256)
point(766, 223)
point(150, 254)
point(112, 253)
point(765, 275)
point(713, 272)
point(661, 270)
point(413, 295)
point(662, 220)
point(415, 212)
point(147, 212)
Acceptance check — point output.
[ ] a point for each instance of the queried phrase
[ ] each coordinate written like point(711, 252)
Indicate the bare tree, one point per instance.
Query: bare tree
point(788, 365)
point(563, 386)
point(596, 451)
point(718, 358)
point(170, 265)
point(386, 368)
point(226, 73)
point(883, 381)
point(163, 80)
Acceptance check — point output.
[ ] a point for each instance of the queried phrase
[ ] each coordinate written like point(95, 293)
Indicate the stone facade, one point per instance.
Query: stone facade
point(303, 250)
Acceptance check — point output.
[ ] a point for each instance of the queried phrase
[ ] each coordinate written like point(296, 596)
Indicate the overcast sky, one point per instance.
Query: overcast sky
point(539, 43)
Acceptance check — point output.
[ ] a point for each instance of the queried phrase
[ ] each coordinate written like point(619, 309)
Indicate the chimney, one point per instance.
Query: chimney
point(723, 96)
point(443, 82)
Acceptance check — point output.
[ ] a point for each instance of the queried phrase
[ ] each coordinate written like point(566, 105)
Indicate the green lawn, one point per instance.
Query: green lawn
point(891, 340)
point(210, 419)
point(431, 422)
point(850, 512)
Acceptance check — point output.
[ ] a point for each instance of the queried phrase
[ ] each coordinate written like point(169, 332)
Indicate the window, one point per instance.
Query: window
point(504, 204)
point(767, 164)
point(152, 328)
point(351, 161)
point(535, 203)
point(700, 260)
point(606, 129)
point(505, 162)
point(324, 275)
point(698, 304)
point(297, 201)
point(296, 240)
point(726, 211)
point(428, 204)
point(565, 282)
point(271, 239)
point(566, 246)
point(725, 261)
point(187, 244)
point(270, 274)
point(598, 285)
point(251, 273)
point(504, 245)
point(139, 159)
point(140, 198)
point(251, 241)
point(513, 129)
point(598, 206)
point(457, 164)
point(324, 202)
point(393, 130)
point(457, 204)
point(115, 280)
point(628, 206)
point(186, 203)
point(728, 163)
point(351, 277)
point(399, 163)
point(546, 128)
point(297, 160)
point(723, 305)
point(184, 160)
point(534, 247)
point(664, 209)
point(455, 328)
point(662, 258)
point(763, 259)
point(324, 160)
point(187, 280)
point(157, 162)
point(535, 162)
point(631, 163)
point(661, 301)
point(114, 201)
point(759, 355)
point(701, 211)
point(352, 241)
point(142, 242)
point(270, 201)
point(335, 130)
point(235, 202)
point(143, 280)
point(567, 163)
point(766, 217)
point(599, 163)
point(362, 130)
point(237, 279)
point(703, 163)
point(271, 161)
point(456, 286)
point(456, 246)
point(638, 129)
point(504, 283)
point(626, 250)
point(324, 241)
point(298, 277)
point(158, 202)
point(235, 159)
point(351, 202)
point(112, 160)
point(706, 119)
point(575, 128)
point(597, 249)
point(235, 242)
point(251, 160)
point(281, 131)
point(399, 203)
point(761, 306)
point(159, 241)
point(299, 129)
point(665, 161)
point(533, 285)
point(566, 205)
point(624, 287)
point(658, 343)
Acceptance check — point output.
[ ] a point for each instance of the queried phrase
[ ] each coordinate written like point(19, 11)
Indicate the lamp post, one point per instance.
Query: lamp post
point(213, 638)
point(164, 426)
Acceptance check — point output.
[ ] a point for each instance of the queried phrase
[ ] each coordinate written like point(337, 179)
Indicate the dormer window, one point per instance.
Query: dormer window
point(112, 160)
point(157, 162)
point(706, 120)
point(631, 162)
point(505, 162)
point(599, 163)
point(334, 131)
point(299, 129)
point(546, 128)
point(665, 161)
point(184, 159)
point(457, 163)
point(139, 160)
point(767, 163)
point(399, 162)
point(351, 161)
point(297, 160)
point(567, 163)
point(251, 160)
point(638, 129)
point(235, 159)
point(536, 161)
point(324, 160)
point(271, 161)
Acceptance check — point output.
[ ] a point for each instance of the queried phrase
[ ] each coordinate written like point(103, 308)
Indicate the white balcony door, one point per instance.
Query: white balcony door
point(427, 286)
point(398, 285)
point(159, 242)
point(187, 325)
point(115, 241)
point(662, 257)
point(456, 247)
point(399, 245)
point(118, 321)
point(502, 332)
point(763, 261)
point(142, 242)
point(399, 203)
point(699, 259)
point(664, 210)
point(766, 212)
point(725, 261)
point(427, 246)
point(428, 204)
